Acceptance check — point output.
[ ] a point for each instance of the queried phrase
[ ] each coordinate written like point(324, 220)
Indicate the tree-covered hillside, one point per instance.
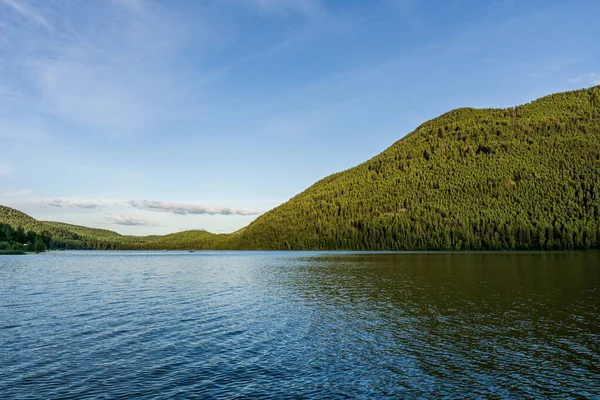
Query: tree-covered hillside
point(59, 235)
point(66, 236)
point(519, 178)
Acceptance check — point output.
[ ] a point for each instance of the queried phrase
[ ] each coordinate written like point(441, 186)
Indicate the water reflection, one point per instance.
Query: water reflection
point(509, 324)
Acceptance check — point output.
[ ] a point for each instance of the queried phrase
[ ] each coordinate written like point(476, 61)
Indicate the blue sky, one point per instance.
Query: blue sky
point(146, 116)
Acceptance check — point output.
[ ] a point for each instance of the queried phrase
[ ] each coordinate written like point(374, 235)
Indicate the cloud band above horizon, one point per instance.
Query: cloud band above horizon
point(130, 220)
point(178, 208)
point(187, 208)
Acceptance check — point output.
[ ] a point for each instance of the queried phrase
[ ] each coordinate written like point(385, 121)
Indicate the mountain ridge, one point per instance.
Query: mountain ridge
point(523, 177)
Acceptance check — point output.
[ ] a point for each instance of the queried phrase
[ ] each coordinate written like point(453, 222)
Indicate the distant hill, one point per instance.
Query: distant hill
point(518, 178)
point(67, 236)
point(17, 218)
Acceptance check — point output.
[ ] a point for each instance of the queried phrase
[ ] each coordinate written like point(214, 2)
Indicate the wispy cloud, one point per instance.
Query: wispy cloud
point(586, 79)
point(28, 12)
point(88, 204)
point(188, 208)
point(179, 208)
point(110, 68)
point(130, 220)
point(90, 94)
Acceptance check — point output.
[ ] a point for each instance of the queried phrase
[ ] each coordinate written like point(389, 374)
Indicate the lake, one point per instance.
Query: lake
point(299, 325)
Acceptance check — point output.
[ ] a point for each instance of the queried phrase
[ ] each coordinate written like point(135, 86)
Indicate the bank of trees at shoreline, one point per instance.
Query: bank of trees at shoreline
point(485, 235)
point(18, 241)
point(522, 178)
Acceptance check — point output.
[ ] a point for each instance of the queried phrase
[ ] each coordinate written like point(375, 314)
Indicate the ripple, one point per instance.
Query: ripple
point(307, 324)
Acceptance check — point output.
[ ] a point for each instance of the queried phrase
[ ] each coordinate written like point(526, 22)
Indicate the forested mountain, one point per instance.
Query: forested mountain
point(517, 178)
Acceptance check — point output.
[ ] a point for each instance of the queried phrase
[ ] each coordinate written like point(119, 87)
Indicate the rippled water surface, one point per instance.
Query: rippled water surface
point(301, 325)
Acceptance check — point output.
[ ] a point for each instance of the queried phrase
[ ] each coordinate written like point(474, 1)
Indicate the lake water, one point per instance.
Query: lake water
point(299, 324)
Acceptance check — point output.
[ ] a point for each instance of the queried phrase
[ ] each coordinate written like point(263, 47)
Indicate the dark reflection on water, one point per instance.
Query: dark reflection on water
point(308, 325)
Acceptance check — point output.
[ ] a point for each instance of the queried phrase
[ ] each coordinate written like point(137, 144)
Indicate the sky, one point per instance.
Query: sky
point(150, 117)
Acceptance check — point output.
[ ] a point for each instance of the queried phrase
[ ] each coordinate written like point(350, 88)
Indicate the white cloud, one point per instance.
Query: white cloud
point(187, 208)
point(179, 208)
point(130, 220)
point(27, 12)
point(77, 203)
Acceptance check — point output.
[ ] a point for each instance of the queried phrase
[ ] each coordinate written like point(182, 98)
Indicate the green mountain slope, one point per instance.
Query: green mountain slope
point(71, 236)
point(519, 178)
point(198, 239)
point(17, 219)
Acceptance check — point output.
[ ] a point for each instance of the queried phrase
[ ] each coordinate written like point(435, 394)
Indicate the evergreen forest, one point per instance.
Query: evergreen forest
point(521, 178)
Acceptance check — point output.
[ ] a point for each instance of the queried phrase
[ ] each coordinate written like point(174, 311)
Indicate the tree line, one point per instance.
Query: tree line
point(18, 240)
